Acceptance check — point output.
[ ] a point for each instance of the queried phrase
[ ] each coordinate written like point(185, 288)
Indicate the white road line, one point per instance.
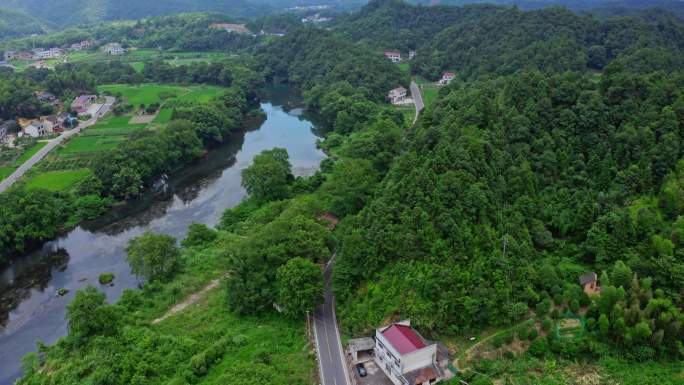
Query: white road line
point(320, 365)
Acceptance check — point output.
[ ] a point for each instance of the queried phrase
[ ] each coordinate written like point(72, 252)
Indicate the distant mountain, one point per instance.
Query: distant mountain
point(17, 24)
point(78, 12)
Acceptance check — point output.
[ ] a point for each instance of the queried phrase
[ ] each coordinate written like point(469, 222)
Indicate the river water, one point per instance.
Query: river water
point(31, 310)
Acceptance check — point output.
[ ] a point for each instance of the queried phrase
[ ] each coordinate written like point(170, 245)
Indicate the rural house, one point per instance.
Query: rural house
point(51, 53)
point(52, 123)
point(114, 49)
point(412, 55)
point(81, 103)
point(589, 283)
point(35, 129)
point(25, 55)
point(397, 95)
point(407, 358)
point(81, 45)
point(447, 77)
point(45, 97)
point(394, 56)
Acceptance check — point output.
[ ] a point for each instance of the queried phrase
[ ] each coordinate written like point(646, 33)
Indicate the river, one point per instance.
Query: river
point(31, 310)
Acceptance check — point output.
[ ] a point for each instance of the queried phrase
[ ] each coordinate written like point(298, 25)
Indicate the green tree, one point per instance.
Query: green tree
point(300, 286)
point(153, 256)
point(199, 234)
point(269, 175)
point(89, 315)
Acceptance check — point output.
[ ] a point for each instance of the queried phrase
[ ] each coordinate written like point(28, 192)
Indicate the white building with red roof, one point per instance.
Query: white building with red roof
point(406, 357)
point(447, 77)
point(394, 56)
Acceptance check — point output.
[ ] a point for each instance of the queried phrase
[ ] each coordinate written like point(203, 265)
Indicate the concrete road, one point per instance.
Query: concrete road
point(331, 360)
point(37, 157)
point(417, 99)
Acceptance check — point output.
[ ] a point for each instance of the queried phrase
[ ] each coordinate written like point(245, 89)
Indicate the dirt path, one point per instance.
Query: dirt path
point(193, 298)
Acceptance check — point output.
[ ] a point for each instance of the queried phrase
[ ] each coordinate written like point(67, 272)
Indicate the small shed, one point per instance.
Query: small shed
point(361, 349)
point(589, 283)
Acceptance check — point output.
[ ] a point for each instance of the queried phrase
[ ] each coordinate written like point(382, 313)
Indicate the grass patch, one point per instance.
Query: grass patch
point(6, 171)
point(91, 144)
point(201, 94)
point(164, 116)
point(430, 95)
point(142, 94)
point(57, 180)
point(405, 67)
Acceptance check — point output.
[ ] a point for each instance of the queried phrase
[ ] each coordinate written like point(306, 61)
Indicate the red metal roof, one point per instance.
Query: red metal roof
point(404, 339)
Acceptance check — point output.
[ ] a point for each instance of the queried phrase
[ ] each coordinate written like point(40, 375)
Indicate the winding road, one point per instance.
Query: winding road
point(38, 156)
point(332, 365)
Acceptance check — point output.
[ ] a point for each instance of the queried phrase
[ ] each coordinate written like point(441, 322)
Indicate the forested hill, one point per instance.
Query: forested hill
point(17, 24)
point(484, 40)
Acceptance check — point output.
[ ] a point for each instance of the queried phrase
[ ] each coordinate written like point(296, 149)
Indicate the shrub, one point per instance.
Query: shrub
point(106, 278)
point(532, 335)
point(574, 306)
point(546, 324)
point(539, 347)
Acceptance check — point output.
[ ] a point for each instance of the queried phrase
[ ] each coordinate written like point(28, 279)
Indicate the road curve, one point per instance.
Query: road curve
point(331, 361)
point(38, 156)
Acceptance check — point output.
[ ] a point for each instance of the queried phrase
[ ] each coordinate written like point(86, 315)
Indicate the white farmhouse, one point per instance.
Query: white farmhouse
point(394, 56)
point(397, 95)
point(35, 130)
point(447, 77)
point(405, 357)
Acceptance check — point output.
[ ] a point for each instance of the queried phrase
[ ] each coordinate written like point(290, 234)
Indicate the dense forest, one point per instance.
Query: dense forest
point(16, 24)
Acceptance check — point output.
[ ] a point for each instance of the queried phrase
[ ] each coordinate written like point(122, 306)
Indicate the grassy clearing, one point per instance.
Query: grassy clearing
point(430, 95)
point(57, 180)
point(164, 116)
point(201, 94)
point(82, 143)
point(405, 67)
point(143, 94)
point(6, 171)
point(29, 153)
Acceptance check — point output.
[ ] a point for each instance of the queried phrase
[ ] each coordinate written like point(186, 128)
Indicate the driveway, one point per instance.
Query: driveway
point(37, 157)
point(374, 376)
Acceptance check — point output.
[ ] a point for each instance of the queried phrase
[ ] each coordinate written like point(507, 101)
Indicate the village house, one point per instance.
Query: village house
point(412, 55)
point(51, 53)
point(25, 55)
point(81, 103)
point(394, 56)
point(11, 55)
point(81, 45)
point(45, 97)
point(35, 129)
point(407, 358)
point(589, 283)
point(52, 123)
point(114, 49)
point(447, 77)
point(397, 95)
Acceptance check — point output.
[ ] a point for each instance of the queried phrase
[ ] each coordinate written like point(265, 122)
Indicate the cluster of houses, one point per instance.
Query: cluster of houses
point(39, 54)
point(403, 355)
point(45, 125)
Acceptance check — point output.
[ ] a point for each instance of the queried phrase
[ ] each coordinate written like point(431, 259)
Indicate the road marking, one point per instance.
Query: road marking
point(318, 350)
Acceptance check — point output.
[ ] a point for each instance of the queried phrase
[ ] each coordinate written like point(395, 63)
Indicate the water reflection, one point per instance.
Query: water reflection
point(29, 308)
